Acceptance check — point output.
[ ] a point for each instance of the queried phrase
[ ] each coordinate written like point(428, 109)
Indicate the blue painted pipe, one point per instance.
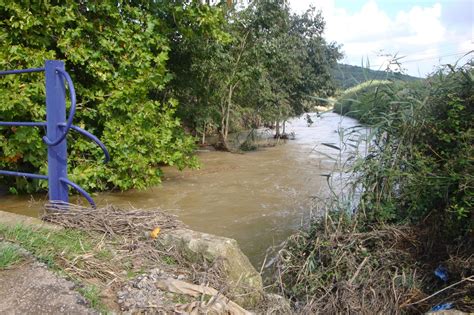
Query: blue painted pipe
point(79, 189)
point(7, 72)
point(93, 138)
point(72, 111)
point(20, 174)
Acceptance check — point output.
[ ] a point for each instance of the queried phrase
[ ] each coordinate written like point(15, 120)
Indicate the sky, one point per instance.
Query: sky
point(426, 33)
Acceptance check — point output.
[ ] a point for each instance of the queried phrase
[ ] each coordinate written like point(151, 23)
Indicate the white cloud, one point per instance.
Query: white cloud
point(421, 26)
point(417, 33)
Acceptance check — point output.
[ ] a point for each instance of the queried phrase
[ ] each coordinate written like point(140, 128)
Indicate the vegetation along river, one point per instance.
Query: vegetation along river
point(258, 198)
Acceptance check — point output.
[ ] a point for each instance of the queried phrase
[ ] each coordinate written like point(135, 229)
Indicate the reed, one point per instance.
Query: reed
point(406, 207)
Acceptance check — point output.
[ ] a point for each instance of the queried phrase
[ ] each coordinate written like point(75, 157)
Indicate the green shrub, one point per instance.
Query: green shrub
point(420, 162)
point(116, 56)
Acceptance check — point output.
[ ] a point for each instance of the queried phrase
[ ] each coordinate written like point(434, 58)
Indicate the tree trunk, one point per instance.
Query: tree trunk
point(223, 116)
point(203, 140)
point(229, 104)
point(222, 143)
point(277, 129)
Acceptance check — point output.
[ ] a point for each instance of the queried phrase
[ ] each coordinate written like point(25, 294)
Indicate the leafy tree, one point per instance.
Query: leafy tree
point(268, 67)
point(116, 53)
point(138, 65)
point(296, 59)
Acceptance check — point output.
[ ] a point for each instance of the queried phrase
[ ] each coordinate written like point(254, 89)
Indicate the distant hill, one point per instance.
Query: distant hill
point(348, 76)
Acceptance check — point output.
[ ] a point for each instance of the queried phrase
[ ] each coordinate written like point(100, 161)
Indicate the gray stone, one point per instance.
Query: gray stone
point(12, 219)
point(244, 281)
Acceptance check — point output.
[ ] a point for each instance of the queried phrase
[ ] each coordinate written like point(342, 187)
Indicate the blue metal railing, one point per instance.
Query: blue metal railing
point(57, 128)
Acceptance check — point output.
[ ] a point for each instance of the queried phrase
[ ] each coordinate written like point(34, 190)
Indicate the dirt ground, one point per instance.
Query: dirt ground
point(30, 288)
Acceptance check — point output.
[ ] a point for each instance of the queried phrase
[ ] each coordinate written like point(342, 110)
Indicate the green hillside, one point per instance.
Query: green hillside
point(347, 76)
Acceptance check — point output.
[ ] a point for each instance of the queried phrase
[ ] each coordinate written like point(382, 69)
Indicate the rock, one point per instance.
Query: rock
point(244, 281)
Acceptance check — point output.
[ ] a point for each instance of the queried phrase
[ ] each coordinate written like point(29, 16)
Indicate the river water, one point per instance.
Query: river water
point(258, 198)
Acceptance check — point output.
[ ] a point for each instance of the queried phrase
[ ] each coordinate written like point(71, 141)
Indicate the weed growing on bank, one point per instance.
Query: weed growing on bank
point(9, 255)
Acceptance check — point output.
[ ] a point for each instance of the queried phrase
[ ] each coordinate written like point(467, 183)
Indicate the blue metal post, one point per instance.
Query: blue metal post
point(56, 115)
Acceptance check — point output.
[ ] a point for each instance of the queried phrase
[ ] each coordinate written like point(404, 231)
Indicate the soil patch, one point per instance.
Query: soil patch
point(30, 288)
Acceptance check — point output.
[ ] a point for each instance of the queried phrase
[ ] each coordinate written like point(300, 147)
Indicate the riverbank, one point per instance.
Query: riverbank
point(137, 261)
point(30, 288)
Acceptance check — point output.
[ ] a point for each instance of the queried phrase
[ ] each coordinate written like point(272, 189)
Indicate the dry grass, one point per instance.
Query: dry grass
point(110, 221)
point(334, 268)
point(126, 234)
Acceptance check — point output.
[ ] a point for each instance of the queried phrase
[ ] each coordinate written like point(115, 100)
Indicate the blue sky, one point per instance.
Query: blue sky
point(390, 6)
point(427, 32)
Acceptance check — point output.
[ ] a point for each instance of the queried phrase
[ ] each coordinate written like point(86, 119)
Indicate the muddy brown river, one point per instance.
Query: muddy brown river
point(258, 198)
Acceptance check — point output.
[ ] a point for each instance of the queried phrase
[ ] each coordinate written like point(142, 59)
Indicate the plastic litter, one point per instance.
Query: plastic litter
point(442, 307)
point(442, 273)
point(155, 232)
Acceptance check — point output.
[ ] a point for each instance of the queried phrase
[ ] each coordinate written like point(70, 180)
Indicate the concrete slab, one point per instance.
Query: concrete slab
point(12, 219)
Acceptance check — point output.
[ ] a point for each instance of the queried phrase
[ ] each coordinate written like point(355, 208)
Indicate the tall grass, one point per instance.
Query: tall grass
point(366, 100)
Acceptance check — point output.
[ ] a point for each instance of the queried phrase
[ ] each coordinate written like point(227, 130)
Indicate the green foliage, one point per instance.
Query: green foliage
point(358, 100)
point(92, 295)
point(169, 260)
point(116, 55)
point(347, 76)
point(9, 255)
point(47, 245)
point(265, 68)
point(420, 161)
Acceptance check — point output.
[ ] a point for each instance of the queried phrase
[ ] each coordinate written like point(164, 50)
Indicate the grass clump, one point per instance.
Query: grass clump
point(47, 245)
point(9, 255)
point(353, 102)
point(92, 294)
point(420, 166)
point(339, 266)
